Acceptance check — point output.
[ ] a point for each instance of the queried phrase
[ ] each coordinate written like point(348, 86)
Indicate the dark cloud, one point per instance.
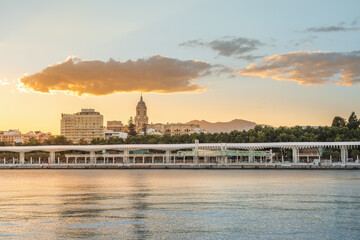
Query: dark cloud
point(227, 46)
point(311, 68)
point(250, 58)
point(355, 21)
point(341, 27)
point(332, 29)
point(154, 74)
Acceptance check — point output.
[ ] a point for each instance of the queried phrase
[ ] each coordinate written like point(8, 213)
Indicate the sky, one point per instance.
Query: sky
point(280, 62)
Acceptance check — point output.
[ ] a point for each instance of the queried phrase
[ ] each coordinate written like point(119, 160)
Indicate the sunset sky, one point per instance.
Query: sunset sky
point(271, 62)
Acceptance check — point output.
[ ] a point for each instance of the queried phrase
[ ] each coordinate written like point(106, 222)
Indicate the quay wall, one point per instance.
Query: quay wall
point(179, 166)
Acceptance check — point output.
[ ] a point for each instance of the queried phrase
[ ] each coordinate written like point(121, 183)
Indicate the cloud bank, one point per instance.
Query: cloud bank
point(155, 74)
point(311, 68)
point(332, 29)
point(341, 27)
point(228, 46)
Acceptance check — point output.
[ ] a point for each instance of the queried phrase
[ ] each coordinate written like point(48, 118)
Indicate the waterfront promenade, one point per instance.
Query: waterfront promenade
point(196, 155)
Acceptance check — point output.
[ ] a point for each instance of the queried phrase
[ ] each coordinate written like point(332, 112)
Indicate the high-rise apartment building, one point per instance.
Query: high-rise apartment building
point(85, 125)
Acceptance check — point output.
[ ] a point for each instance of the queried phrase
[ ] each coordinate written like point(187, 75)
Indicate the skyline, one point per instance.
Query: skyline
point(200, 61)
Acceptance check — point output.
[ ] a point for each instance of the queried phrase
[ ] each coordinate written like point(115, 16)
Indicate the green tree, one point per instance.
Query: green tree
point(131, 128)
point(4, 144)
point(355, 153)
point(98, 141)
point(115, 140)
point(353, 122)
point(338, 122)
point(32, 142)
point(57, 140)
point(83, 142)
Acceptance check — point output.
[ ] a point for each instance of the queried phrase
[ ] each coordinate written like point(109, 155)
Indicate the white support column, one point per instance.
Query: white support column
point(295, 154)
point(22, 157)
point(52, 157)
point(92, 157)
point(344, 154)
point(222, 150)
point(168, 156)
point(251, 158)
point(31, 160)
point(126, 157)
point(271, 156)
point(196, 158)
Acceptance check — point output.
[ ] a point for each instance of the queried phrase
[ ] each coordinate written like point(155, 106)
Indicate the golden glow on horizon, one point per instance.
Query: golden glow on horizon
point(29, 111)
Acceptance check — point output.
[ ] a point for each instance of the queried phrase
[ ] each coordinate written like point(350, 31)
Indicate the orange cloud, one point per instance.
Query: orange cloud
point(155, 74)
point(311, 68)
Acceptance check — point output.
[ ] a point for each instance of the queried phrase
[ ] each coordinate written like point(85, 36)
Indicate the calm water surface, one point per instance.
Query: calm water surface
point(179, 204)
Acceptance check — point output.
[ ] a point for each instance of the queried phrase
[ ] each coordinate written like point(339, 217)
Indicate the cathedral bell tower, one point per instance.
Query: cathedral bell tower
point(141, 118)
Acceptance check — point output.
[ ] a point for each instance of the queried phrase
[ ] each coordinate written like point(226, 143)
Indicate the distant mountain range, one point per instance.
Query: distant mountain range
point(236, 124)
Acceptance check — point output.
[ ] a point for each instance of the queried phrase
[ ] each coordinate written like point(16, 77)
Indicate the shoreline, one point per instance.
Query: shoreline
point(181, 166)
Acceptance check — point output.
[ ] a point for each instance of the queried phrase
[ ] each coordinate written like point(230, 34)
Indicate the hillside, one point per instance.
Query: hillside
point(236, 124)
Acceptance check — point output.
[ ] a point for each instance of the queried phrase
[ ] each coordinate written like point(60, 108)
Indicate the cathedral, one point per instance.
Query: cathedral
point(141, 118)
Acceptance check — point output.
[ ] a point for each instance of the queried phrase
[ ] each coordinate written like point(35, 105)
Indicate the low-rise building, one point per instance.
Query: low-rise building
point(175, 128)
point(117, 126)
point(115, 134)
point(15, 136)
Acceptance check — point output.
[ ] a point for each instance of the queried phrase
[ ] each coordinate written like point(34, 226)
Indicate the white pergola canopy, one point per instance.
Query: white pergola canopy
point(173, 147)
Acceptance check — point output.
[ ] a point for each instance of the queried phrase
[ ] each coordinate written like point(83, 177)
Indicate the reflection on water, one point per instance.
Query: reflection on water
point(179, 204)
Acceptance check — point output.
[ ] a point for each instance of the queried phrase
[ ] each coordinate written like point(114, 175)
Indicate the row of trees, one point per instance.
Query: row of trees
point(340, 130)
point(258, 134)
point(352, 123)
